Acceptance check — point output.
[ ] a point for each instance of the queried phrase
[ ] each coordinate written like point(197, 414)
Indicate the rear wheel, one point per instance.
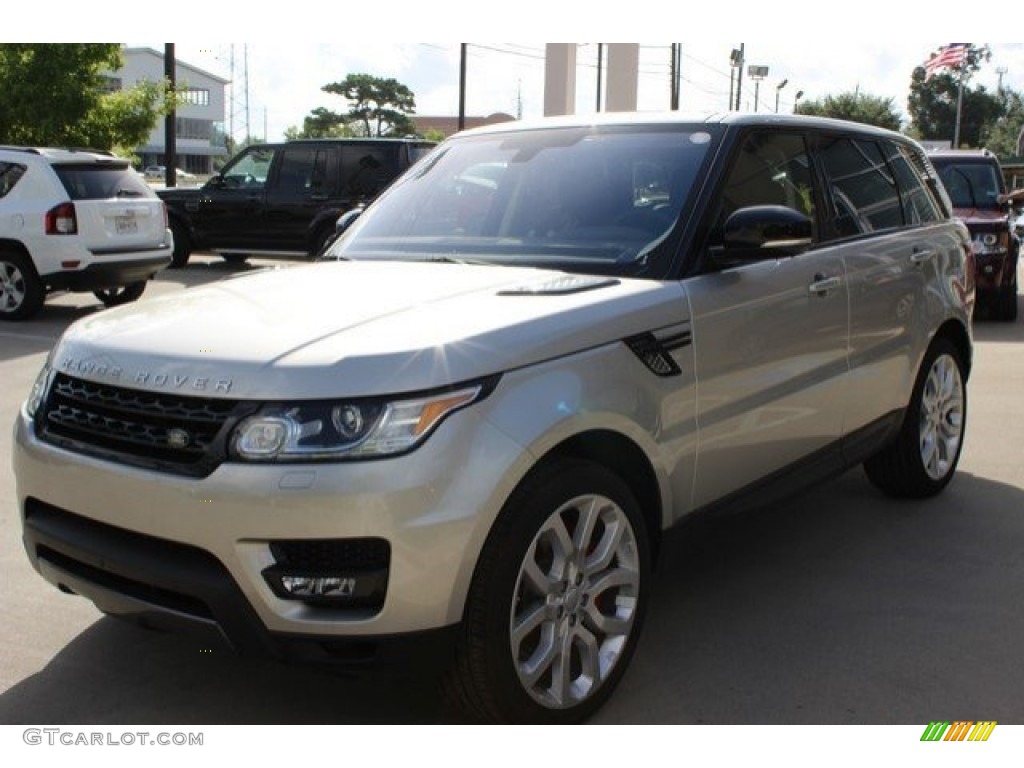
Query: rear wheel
point(557, 600)
point(21, 291)
point(234, 258)
point(122, 294)
point(923, 458)
point(1006, 302)
point(182, 245)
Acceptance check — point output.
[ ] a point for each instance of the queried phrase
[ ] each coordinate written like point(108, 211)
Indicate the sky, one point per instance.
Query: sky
point(290, 51)
point(284, 80)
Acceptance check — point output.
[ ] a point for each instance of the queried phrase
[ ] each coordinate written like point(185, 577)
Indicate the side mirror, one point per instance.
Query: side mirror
point(767, 228)
point(345, 220)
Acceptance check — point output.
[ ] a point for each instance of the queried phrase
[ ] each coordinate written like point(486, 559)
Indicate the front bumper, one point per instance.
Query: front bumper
point(183, 553)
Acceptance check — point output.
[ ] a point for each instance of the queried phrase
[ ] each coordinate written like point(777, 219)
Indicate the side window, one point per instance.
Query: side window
point(771, 169)
point(10, 174)
point(367, 168)
point(862, 187)
point(918, 205)
point(250, 171)
point(295, 176)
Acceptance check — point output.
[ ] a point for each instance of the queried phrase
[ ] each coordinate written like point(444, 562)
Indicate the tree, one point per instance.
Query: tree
point(933, 102)
point(856, 106)
point(379, 106)
point(57, 94)
point(321, 123)
point(1001, 136)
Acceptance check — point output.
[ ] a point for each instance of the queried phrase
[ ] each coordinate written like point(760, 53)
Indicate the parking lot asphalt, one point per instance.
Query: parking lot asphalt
point(838, 606)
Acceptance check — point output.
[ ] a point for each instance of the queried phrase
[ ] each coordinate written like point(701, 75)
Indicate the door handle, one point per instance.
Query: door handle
point(823, 285)
point(921, 255)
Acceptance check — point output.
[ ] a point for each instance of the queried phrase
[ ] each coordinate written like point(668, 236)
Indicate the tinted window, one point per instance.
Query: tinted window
point(10, 173)
point(862, 186)
point(367, 168)
point(296, 172)
point(970, 184)
point(100, 182)
point(918, 205)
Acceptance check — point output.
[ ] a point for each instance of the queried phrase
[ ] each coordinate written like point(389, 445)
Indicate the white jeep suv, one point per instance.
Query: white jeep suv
point(542, 347)
point(75, 220)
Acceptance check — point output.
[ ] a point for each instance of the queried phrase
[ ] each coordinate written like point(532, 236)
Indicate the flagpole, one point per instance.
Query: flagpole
point(959, 104)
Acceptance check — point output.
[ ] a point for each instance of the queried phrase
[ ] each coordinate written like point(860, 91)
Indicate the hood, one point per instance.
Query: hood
point(358, 328)
point(981, 216)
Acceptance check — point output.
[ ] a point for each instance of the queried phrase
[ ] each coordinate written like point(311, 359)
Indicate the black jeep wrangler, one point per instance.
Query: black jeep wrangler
point(284, 199)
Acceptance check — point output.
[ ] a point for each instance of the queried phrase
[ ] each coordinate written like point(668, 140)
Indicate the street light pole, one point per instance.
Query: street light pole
point(757, 73)
point(778, 90)
point(796, 100)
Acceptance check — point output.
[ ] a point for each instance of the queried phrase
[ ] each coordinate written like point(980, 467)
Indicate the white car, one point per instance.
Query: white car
point(75, 220)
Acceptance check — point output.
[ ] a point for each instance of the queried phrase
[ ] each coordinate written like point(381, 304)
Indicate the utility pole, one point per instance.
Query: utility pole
point(170, 122)
point(462, 86)
point(600, 64)
point(739, 77)
point(676, 74)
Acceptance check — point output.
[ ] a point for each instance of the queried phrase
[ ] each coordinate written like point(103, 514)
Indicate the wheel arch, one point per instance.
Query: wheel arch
point(621, 455)
point(955, 332)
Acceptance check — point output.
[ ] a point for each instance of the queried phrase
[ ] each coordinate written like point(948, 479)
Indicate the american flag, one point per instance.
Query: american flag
point(952, 55)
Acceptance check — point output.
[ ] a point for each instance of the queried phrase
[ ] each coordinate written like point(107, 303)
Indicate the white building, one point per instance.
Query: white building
point(200, 118)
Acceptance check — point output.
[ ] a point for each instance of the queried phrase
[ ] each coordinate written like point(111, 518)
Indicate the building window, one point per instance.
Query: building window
point(199, 97)
point(190, 128)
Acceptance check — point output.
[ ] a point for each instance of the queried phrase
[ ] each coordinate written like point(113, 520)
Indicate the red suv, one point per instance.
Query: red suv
point(974, 181)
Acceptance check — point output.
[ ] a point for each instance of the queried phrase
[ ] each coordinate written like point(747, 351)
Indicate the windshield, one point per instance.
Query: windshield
point(970, 185)
point(590, 199)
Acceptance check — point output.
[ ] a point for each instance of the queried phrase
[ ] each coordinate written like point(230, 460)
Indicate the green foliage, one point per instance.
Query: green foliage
point(933, 103)
point(434, 134)
point(1001, 136)
point(378, 106)
point(855, 106)
point(321, 123)
point(55, 94)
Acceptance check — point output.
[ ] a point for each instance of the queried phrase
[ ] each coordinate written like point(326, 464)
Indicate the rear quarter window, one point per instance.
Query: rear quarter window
point(100, 182)
point(10, 175)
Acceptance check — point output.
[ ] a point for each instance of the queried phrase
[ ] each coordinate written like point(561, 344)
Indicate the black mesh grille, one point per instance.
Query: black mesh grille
point(332, 555)
point(174, 433)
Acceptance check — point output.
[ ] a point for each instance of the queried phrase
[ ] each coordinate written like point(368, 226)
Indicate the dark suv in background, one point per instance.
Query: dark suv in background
point(974, 181)
point(284, 199)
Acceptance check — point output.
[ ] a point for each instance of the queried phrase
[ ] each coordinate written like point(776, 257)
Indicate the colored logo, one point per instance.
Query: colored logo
point(961, 730)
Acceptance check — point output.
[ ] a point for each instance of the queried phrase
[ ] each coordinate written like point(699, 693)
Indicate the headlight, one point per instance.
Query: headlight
point(342, 430)
point(991, 243)
point(39, 389)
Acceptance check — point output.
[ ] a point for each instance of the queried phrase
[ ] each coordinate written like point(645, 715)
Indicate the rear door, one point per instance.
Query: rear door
point(116, 211)
point(770, 338)
point(304, 182)
point(886, 225)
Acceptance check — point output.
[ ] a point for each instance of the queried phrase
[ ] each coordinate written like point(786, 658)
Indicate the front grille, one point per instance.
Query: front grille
point(173, 433)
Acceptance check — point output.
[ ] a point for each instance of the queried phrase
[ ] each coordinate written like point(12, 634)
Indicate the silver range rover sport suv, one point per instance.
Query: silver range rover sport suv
point(469, 428)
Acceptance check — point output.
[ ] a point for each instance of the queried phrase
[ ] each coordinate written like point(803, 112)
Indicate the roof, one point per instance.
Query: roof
point(178, 63)
point(739, 119)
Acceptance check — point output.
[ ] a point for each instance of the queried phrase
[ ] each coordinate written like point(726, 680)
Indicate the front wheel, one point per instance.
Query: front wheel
point(124, 294)
point(923, 458)
point(557, 601)
point(1006, 302)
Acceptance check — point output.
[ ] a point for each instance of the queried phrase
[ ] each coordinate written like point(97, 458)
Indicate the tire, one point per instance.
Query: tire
point(548, 590)
point(234, 259)
point(182, 245)
point(122, 294)
point(1006, 302)
point(21, 291)
point(923, 458)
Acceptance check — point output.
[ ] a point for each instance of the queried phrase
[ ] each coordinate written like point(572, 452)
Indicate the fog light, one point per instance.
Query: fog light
point(319, 586)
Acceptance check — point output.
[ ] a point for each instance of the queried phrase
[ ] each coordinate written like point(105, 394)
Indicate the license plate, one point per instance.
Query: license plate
point(126, 225)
